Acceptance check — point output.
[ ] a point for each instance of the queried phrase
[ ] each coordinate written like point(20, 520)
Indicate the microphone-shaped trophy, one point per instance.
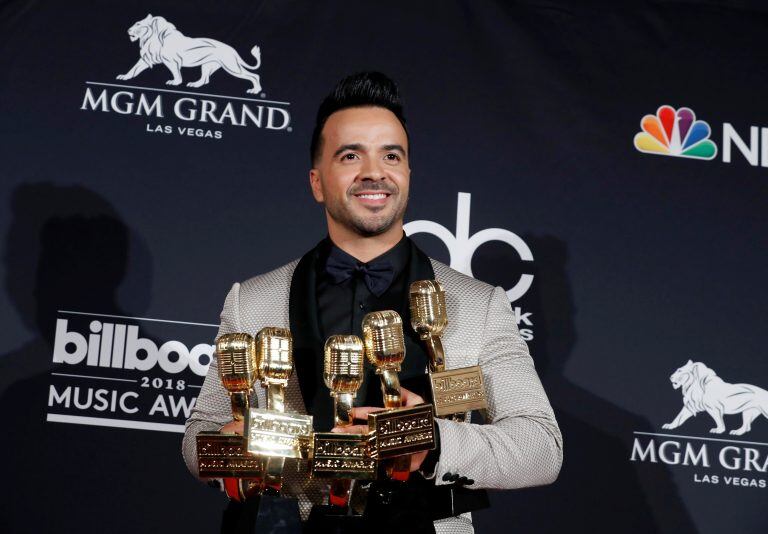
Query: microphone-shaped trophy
point(340, 456)
point(457, 391)
point(396, 431)
point(223, 455)
point(271, 432)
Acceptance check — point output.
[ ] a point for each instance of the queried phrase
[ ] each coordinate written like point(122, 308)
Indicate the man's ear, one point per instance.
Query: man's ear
point(314, 183)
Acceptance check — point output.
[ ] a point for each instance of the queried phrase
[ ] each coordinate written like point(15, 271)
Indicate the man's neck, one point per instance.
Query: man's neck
point(365, 249)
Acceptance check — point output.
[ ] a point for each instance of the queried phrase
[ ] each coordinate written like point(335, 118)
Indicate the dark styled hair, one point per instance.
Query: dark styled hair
point(357, 90)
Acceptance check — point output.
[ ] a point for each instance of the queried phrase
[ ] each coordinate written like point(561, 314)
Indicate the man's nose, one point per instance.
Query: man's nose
point(372, 169)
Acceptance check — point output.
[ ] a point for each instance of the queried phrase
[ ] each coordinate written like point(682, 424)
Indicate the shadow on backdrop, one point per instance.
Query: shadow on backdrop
point(598, 489)
point(67, 249)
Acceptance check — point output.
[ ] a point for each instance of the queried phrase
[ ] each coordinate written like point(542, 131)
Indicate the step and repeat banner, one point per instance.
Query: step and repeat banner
point(607, 166)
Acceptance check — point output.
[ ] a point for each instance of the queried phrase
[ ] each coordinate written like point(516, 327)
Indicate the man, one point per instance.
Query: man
point(360, 172)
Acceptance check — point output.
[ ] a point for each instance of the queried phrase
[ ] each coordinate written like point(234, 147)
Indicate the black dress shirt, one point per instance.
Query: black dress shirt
point(342, 306)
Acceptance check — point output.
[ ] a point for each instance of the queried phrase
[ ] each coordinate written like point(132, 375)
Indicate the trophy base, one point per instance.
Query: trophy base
point(263, 514)
point(457, 391)
point(327, 519)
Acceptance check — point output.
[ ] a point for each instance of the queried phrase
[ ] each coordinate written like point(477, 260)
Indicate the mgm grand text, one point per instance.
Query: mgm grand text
point(188, 109)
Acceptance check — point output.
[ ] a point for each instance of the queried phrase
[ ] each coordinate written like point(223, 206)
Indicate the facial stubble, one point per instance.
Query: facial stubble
point(372, 225)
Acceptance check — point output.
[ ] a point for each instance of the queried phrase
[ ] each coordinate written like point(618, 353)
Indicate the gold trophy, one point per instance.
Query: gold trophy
point(397, 431)
point(457, 391)
point(342, 457)
point(271, 432)
point(224, 455)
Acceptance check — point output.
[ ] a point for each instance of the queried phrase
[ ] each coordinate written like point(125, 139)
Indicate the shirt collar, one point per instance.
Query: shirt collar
point(398, 255)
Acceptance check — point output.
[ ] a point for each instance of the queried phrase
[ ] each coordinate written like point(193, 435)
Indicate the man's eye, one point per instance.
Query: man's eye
point(392, 157)
point(349, 156)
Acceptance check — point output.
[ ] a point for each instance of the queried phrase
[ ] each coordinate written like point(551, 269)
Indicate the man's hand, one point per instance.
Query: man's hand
point(361, 414)
point(233, 427)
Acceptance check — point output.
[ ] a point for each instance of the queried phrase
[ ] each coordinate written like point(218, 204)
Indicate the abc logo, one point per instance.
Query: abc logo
point(461, 246)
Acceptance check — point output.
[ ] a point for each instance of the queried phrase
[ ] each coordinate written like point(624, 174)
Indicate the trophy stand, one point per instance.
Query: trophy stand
point(275, 435)
point(396, 432)
point(342, 457)
point(252, 465)
point(457, 391)
point(223, 455)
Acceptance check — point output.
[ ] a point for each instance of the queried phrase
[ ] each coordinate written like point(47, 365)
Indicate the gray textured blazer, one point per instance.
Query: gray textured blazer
point(521, 447)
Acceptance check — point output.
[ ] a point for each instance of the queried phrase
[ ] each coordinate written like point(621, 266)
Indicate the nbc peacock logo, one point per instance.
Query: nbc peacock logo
point(672, 132)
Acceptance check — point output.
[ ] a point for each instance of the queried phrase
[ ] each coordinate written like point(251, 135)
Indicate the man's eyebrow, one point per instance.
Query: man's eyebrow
point(360, 147)
point(398, 148)
point(342, 148)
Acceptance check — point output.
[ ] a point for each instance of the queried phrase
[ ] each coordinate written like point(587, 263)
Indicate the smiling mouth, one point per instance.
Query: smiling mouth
point(372, 196)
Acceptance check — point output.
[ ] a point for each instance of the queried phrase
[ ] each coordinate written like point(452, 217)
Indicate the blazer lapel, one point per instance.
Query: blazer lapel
point(307, 342)
point(415, 364)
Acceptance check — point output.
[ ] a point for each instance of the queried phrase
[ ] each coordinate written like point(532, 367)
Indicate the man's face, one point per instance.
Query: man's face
point(362, 173)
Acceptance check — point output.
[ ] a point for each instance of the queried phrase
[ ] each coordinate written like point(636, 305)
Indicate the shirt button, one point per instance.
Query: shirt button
point(361, 306)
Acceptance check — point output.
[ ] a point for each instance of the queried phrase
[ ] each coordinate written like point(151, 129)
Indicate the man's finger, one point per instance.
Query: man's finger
point(410, 398)
point(233, 427)
point(361, 412)
point(351, 429)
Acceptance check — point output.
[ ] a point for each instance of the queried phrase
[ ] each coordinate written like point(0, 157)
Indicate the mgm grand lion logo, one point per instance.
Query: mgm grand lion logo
point(160, 42)
point(704, 391)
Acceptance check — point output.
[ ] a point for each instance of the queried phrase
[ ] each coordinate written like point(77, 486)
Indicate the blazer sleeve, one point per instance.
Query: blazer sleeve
point(212, 409)
point(522, 446)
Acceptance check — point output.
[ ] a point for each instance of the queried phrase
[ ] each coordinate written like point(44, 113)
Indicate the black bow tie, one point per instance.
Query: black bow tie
point(377, 275)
